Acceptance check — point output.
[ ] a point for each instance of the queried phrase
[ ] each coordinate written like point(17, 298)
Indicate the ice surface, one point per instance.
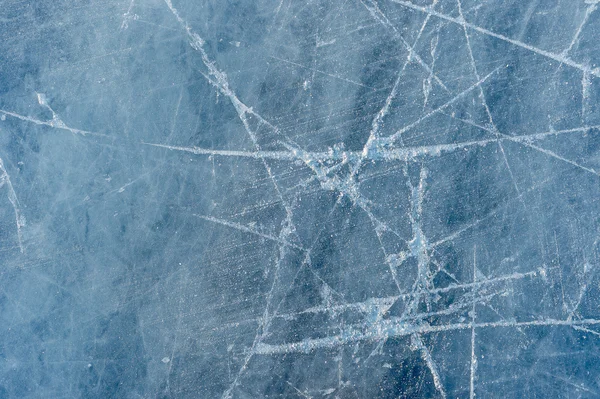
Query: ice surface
point(299, 199)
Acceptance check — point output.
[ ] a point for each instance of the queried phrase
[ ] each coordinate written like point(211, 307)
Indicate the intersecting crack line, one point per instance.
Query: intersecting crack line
point(378, 15)
point(376, 154)
point(398, 134)
point(381, 304)
point(553, 56)
point(221, 82)
point(309, 157)
point(527, 141)
point(373, 137)
point(393, 328)
point(354, 157)
point(483, 97)
point(346, 187)
point(496, 132)
point(55, 122)
point(418, 250)
point(472, 325)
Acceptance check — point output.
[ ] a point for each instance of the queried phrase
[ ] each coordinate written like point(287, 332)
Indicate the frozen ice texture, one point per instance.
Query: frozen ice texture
point(299, 199)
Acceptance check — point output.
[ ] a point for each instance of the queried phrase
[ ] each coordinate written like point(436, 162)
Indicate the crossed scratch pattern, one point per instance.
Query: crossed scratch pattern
point(416, 312)
point(337, 169)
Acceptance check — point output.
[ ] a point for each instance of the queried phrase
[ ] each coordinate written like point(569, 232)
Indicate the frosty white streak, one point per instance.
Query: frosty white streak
point(55, 122)
point(374, 154)
point(391, 328)
point(379, 152)
point(12, 197)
